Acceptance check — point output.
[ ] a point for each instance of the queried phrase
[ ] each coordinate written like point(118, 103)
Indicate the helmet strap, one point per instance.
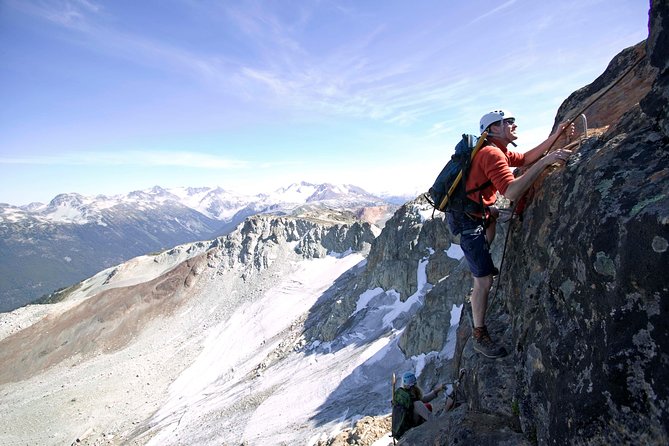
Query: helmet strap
point(495, 134)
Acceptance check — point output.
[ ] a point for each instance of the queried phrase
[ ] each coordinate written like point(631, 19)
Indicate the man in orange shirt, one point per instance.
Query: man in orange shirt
point(490, 172)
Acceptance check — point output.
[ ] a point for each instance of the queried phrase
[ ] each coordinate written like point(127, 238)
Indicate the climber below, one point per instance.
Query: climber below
point(417, 405)
point(491, 170)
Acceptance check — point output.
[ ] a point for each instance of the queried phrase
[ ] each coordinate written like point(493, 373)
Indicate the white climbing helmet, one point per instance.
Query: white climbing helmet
point(493, 117)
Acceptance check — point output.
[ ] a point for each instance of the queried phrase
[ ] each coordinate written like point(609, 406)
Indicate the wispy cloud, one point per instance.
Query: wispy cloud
point(350, 79)
point(493, 11)
point(276, 70)
point(91, 28)
point(73, 14)
point(132, 158)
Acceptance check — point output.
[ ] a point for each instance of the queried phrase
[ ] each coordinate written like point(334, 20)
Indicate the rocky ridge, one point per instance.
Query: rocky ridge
point(74, 237)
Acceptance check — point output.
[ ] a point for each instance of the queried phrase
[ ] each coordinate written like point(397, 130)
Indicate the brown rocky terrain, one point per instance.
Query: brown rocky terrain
point(101, 324)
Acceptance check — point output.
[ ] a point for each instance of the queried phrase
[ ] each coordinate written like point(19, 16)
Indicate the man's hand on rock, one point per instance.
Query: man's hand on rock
point(559, 156)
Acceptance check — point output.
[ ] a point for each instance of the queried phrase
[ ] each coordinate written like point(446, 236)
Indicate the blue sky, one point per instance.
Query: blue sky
point(105, 97)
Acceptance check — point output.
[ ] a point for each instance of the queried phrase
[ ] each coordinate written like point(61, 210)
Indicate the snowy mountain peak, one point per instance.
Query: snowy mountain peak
point(304, 192)
point(157, 190)
point(156, 193)
point(70, 199)
point(191, 191)
point(34, 206)
point(66, 208)
point(214, 203)
point(295, 193)
point(340, 192)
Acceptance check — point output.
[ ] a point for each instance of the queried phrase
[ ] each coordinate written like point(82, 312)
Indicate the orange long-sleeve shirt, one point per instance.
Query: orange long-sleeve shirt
point(494, 164)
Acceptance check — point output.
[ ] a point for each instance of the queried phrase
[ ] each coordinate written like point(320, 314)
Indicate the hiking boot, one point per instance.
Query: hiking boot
point(485, 345)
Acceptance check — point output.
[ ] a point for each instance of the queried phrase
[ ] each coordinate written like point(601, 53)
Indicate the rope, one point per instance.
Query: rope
point(606, 90)
point(581, 112)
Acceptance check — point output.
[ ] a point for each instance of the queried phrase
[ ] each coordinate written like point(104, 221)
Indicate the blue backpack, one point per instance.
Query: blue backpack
point(448, 191)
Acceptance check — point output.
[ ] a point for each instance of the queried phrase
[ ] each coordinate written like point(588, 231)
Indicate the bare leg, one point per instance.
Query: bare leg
point(480, 299)
point(483, 343)
point(490, 232)
point(421, 411)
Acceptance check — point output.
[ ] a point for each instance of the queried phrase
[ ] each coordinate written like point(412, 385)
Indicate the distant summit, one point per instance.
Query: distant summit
point(309, 193)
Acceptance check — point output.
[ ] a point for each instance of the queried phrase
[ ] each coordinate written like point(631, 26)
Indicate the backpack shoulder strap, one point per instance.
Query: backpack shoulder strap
point(479, 188)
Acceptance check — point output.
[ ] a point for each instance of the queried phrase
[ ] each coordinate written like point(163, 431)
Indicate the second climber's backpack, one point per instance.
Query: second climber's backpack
point(402, 415)
point(448, 191)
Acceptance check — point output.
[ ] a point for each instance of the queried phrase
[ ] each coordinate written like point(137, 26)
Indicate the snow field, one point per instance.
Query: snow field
point(235, 348)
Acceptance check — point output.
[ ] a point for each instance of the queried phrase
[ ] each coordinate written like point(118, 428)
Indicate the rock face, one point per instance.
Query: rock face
point(583, 301)
point(617, 101)
point(392, 263)
point(657, 102)
point(248, 246)
point(587, 304)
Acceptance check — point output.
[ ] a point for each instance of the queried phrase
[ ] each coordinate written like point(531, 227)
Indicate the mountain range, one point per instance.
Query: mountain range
point(49, 246)
point(288, 329)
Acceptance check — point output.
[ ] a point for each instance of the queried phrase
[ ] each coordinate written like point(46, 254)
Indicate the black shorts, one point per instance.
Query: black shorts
point(472, 242)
